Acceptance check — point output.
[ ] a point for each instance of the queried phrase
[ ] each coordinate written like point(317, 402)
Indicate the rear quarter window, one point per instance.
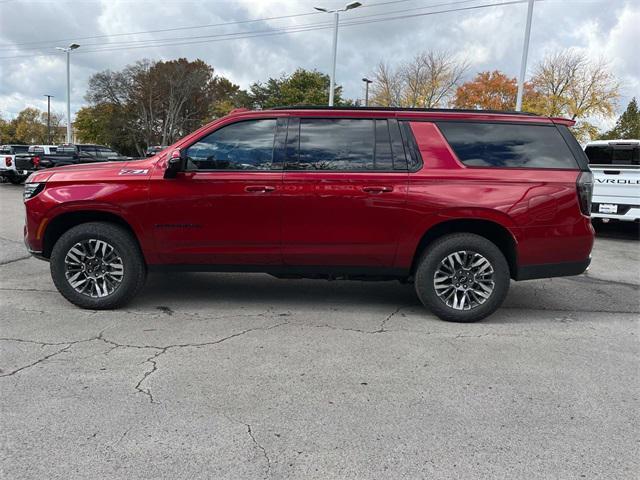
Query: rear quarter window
point(501, 145)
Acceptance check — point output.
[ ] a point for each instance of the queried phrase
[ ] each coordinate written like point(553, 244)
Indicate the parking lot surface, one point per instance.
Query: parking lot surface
point(246, 376)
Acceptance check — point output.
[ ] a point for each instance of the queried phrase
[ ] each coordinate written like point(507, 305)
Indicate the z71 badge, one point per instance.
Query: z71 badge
point(133, 171)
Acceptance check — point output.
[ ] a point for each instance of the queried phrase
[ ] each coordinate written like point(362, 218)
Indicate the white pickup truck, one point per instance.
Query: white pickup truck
point(616, 179)
point(8, 162)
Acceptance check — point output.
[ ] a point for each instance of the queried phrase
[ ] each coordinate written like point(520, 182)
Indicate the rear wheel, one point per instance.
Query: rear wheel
point(97, 266)
point(462, 277)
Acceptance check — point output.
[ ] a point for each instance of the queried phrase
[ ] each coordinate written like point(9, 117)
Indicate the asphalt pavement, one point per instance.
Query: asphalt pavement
point(243, 376)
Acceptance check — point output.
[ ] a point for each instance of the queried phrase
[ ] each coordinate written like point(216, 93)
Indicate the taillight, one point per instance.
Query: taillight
point(585, 191)
point(8, 161)
point(36, 161)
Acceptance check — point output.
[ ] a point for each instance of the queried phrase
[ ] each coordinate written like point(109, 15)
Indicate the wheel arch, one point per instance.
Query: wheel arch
point(491, 230)
point(63, 222)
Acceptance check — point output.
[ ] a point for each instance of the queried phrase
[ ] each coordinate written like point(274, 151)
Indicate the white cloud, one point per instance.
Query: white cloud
point(489, 38)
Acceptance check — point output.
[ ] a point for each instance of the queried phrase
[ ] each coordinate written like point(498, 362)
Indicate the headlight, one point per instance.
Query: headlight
point(32, 189)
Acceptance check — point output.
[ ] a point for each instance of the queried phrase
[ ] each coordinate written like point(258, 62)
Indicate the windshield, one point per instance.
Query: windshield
point(613, 154)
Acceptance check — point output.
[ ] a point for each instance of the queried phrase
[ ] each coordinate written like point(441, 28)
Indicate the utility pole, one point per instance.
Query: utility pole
point(336, 18)
point(525, 53)
point(49, 118)
point(67, 50)
point(366, 90)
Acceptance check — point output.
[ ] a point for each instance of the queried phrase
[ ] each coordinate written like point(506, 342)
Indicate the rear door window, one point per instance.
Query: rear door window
point(344, 144)
point(613, 154)
point(503, 145)
point(88, 150)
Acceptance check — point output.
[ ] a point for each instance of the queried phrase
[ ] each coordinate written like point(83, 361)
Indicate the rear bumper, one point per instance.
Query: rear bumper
point(547, 270)
point(627, 213)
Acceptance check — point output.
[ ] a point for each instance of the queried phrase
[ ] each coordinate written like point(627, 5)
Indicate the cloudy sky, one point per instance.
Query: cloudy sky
point(113, 33)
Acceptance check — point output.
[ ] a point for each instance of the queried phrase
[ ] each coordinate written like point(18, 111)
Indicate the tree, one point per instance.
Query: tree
point(428, 81)
point(105, 124)
point(302, 87)
point(30, 127)
point(492, 91)
point(150, 103)
point(7, 131)
point(628, 124)
point(569, 85)
point(387, 86)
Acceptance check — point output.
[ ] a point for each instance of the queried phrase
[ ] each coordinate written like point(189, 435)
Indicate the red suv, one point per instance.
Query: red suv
point(456, 202)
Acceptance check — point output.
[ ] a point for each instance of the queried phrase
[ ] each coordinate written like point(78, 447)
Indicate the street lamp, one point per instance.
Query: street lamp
point(336, 16)
point(49, 118)
point(67, 50)
point(366, 90)
point(525, 53)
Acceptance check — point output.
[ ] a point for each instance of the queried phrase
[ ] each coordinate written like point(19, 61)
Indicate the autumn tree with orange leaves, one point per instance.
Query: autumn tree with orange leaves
point(492, 91)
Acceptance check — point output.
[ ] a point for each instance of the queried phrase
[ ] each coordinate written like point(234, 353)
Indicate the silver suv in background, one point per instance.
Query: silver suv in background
point(616, 187)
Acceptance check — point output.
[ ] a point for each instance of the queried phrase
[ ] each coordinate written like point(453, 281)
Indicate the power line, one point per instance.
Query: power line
point(237, 22)
point(293, 29)
point(152, 41)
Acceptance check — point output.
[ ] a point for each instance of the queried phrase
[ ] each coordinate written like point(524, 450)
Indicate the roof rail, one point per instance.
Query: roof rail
point(401, 109)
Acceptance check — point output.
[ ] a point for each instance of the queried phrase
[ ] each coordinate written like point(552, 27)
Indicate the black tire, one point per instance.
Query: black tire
point(17, 180)
point(133, 266)
point(430, 262)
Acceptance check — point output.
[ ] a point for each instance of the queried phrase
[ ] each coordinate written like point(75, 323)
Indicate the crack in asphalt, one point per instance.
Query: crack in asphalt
point(389, 317)
point(15, 260)
point(586, 278)
point(381, 328)
point(27, 290)
point(164, 349)
point(33, 364)
point(262, 449)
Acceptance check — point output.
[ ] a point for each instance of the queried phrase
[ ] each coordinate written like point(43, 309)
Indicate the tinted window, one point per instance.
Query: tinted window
point(344, 144)
point(613, 154)
point(20, 149)
point(66, 150)
point(106, 152)
point(383, 154)
point(240, 146)
point(336, 144)
point(397, 146)
point(505, 145)
point(86, 150)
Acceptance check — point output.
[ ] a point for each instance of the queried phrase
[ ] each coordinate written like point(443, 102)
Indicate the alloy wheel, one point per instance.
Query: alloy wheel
point(94, 268)
point(464, 280)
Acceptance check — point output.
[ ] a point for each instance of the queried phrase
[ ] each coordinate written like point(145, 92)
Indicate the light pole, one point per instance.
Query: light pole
point(336, 17)
point(67, 50)
point(49, 118)
point(525, 53)
point(366, 90)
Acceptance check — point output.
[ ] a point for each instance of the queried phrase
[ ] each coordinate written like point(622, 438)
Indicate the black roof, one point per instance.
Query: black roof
point(401, 109)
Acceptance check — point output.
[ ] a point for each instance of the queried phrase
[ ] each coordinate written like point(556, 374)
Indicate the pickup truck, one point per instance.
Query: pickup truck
point(8, 164)
point(616, 170)
point(66, 154)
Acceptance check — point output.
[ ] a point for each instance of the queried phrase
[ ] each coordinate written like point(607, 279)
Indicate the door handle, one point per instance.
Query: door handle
point(260, 188)
point(377, 189)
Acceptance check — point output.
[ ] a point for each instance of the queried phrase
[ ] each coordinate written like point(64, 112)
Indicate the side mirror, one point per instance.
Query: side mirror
point(175, 164)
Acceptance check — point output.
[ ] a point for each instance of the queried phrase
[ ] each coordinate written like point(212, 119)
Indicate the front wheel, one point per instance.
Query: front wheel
point(462, 277)
point(17, 180)
point(97, 265)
